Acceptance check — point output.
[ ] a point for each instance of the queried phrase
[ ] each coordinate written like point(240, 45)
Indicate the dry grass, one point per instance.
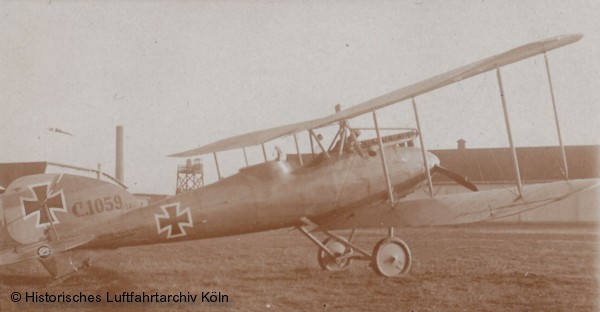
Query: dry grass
point(484, 267)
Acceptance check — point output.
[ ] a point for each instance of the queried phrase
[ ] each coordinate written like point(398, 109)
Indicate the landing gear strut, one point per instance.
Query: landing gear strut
point(391, 256)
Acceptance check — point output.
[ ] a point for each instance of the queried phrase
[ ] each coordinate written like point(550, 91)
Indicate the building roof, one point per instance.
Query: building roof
point(542, 163)
point(12, 171)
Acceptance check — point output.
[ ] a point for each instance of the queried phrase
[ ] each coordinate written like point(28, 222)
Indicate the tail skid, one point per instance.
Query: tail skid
point(62, 266)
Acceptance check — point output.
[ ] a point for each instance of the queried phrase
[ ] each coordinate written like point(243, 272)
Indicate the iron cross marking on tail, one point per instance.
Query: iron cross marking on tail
point(41, 197)
point(173, 220)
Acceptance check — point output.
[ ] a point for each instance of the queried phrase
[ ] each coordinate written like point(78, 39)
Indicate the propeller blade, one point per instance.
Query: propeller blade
point(455, 177)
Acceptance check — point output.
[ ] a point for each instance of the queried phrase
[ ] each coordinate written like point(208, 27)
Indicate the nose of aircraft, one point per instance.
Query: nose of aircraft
point(432, 160)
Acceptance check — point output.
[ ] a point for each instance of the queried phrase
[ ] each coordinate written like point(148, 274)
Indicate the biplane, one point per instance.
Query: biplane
point(346, 184)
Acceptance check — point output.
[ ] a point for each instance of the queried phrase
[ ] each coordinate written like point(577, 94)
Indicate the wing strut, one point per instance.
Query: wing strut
point(383, 162)
point(385, 169)
point(343, 140)
point(425, 164)
point(298, 150)
point(560, 142)
point(245, 156)
point(509, 133)
point(264, 151)
point(312, 144)
point(312, 133)
point(217, 165)
point(53, 235)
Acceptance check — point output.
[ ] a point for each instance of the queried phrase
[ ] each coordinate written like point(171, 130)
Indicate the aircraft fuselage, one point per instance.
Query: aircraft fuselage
point(268, 196)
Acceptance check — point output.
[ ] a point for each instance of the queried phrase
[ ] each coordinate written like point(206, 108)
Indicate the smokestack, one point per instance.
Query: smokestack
point(462, 145)
point(119, 155)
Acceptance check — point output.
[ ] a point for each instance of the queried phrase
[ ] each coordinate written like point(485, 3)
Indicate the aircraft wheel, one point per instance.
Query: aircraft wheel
point(329, 263)
point(391, 257)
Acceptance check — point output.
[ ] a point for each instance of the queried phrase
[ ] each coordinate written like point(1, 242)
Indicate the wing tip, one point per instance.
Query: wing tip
point(562, 40)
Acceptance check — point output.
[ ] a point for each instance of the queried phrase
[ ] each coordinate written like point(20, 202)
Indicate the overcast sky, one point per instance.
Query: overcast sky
point(180, 74)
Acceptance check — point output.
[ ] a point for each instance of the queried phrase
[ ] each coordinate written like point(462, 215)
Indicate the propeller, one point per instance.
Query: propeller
point(455, 177)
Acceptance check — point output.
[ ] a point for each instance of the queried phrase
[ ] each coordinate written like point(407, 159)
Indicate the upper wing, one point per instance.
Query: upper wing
point(458, 208)
point(455, 75)
point(252, 138)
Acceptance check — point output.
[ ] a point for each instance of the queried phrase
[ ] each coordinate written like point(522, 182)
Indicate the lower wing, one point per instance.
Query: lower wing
point(458, 208)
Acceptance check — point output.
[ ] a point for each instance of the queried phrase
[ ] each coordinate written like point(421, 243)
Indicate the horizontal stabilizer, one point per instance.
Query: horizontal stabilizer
point(458, 208)
point(26, 252)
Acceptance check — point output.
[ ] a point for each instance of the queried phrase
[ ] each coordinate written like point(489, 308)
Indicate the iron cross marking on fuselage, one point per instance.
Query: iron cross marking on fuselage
point(173, 220)
point(34, 206)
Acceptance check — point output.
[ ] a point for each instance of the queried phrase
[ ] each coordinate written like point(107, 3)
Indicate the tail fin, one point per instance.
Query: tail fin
point(42, 217)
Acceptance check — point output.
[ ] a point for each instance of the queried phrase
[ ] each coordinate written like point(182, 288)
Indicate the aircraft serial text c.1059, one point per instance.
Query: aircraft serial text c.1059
point(348, 184)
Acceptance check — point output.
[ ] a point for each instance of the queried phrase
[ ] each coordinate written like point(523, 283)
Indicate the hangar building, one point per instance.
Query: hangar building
point(493, 168)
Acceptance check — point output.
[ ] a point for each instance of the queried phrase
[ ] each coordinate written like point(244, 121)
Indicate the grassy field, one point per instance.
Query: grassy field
point(488, 267)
